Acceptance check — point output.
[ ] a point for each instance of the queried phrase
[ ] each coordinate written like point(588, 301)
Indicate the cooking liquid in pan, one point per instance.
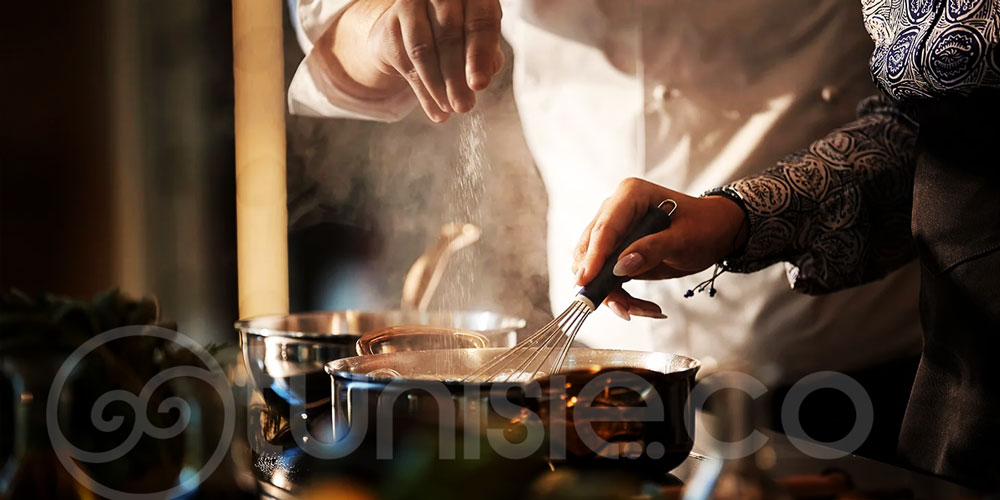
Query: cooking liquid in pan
point(506, 376)
point(601, 411)
point(617, 391)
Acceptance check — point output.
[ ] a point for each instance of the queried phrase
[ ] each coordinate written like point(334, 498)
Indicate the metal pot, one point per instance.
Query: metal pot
point(285, 354)
point(605, 391)
point(284, 357)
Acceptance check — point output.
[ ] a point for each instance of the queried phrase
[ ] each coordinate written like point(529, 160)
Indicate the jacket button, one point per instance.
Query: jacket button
point(829, 93)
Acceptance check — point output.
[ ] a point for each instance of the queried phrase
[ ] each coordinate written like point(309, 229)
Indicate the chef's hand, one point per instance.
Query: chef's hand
point(444, 50)
point(702, 232)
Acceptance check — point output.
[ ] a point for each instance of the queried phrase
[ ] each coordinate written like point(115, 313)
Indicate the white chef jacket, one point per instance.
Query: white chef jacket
point(723, 90)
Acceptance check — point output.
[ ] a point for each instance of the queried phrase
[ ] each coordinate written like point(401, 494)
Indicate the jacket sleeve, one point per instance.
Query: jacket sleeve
point(838, 212)
point(317, 88)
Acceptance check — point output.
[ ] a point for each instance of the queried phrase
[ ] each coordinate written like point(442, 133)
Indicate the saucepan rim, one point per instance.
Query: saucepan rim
point(261, 325)
point(691, 366)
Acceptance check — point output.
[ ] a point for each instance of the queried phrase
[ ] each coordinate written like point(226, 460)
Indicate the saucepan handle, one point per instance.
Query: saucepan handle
point(418, 338)
point(656, 219)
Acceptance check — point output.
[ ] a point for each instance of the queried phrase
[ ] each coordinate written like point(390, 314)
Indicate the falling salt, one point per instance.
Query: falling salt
point(466, 192)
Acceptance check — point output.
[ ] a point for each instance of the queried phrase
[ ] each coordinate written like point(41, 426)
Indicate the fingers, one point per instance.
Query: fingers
point(661, 271)
point(613, 221)
point(625, 306)
point(647, 253)
point(633, 262)
point(444, 49)
point(421, 69)
point(608, 229)
point(447, 24)
point(420, 47)
point(618, 306)
point(580, 252)
point(482, 39)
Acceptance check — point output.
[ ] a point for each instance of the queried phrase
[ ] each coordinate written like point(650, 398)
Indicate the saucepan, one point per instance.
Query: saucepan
point(605, 408)
point(285, 354)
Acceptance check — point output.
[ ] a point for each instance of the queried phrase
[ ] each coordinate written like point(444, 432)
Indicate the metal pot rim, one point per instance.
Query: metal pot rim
point(262, 326)
point(693, 365)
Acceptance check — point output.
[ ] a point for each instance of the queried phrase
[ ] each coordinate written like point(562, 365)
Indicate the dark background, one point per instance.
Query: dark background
point(117, 171)
point(116, 154)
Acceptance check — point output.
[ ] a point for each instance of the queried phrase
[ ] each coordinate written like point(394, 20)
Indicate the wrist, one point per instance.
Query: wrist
point(735, 220)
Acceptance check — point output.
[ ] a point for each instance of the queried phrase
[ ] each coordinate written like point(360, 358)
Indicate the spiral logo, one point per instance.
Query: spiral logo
point(69, 455)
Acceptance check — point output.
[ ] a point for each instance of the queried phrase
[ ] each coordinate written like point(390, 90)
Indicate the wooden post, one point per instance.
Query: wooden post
point(261, 210)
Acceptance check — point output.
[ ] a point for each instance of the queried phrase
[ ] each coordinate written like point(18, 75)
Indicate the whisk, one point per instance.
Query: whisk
point(548, 347)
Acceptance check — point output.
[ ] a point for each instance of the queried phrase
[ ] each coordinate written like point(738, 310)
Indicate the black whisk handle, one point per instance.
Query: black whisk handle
point(656, 219)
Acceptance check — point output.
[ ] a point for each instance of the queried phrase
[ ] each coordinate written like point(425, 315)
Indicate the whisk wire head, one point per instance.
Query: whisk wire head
point(524, 361)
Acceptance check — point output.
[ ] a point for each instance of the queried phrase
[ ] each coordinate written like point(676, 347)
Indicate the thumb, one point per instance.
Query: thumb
point(661, 271)
point(646, 253)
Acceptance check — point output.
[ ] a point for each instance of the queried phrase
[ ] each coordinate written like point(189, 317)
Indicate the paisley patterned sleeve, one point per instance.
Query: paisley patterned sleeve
point(837, 212)
point(933, 48)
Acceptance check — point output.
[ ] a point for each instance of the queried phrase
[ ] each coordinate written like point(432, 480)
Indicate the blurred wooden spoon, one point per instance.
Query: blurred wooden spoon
point(425, 274)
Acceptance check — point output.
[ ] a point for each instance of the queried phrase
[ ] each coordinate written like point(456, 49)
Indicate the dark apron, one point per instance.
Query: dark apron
point(952, 423)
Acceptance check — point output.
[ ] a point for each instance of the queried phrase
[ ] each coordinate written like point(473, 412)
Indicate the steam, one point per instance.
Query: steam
point(393, 185)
